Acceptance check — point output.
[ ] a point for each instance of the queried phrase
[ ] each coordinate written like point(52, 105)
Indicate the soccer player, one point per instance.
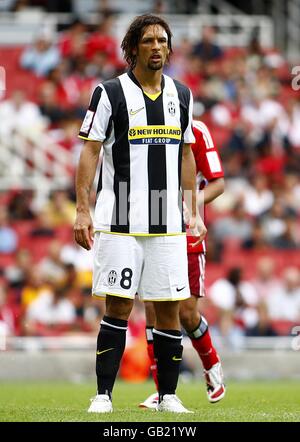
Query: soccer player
point(211, 185)
point(143, 121)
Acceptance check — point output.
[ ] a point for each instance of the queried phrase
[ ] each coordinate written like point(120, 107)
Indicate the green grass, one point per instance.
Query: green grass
point(245, 401)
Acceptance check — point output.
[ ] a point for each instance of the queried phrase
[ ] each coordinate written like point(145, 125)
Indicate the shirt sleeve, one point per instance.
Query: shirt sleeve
point(189, 137)
point(206, 154)
point(97, 117)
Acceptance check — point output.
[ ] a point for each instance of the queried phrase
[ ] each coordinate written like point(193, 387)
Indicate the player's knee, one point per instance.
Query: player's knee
point(117, 307)
point(189, 318)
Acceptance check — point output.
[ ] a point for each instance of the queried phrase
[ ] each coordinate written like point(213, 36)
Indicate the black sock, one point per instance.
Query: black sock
point(168, 353)
point(110, 347)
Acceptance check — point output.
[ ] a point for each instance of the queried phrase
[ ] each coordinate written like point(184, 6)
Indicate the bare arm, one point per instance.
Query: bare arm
point(86, 170)
point(214, 189)
point(188, 184)
point(188, 179)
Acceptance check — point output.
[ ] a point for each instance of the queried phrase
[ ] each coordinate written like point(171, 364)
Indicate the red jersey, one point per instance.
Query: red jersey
point(208, 167)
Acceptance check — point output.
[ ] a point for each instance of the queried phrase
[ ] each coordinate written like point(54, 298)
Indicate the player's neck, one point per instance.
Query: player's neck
point(150, 81)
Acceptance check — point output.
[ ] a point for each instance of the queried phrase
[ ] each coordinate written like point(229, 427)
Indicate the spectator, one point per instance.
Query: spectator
point(236, 301)
point(17, 274)
point(60, 209)
point(43, 226)
point(103, 40)
point(266, 281)
point(72, 42)
point(257, 239)
point(50, 313)
point(180, 57)
point(236, 225)
point(289, 239)
point(193, 74)
point(9, 314)
point(19, 115)
point(293, 134)
point(66, 89)
point(34, 287)
point(82, 260)
point(284, 302)
point(49, 105)
point(291, 194)
point(8, 236)
point(263, 327)
point(206, 49)
point(51, 266)
point(274, 221)
point(266, 118)
point(258, 198)
point(100, 67)
point(20, 205)
point(42, 56)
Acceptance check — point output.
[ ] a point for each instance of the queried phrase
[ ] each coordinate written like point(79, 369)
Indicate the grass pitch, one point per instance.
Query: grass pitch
point(63, 402)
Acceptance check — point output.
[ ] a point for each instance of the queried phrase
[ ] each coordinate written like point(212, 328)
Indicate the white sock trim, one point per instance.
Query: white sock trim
point(111, 325)
point(166, 334)
point(202, 328)
point(149, 334)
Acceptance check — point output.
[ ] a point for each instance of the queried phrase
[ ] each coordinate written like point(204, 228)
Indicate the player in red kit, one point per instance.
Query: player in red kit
point(211, 185)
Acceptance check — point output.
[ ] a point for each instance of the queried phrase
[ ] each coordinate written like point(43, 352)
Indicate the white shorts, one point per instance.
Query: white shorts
point(155, 267)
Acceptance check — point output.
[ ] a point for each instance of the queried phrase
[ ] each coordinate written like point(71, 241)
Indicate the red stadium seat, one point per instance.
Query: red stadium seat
point(64, 234)
point(213, 272)
point(16, 77)
point(6, 259)
point(283, 327)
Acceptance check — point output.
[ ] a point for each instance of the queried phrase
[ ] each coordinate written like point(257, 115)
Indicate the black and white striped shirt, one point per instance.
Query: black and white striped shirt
point(139, 184)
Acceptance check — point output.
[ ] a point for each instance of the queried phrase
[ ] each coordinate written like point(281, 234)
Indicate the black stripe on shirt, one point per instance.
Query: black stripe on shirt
point(99, 187)
point(157, 170)
point(180, 198)
point(184, 97)
point(120, 156)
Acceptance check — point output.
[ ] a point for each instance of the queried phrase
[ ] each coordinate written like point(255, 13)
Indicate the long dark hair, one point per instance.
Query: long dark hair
point(135, 32)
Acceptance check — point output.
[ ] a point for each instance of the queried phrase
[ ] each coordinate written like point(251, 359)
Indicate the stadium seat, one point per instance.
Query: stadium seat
point(64, 234)
point(283, 327)
point(213, 272)
point(16, 77)
point(6, 259)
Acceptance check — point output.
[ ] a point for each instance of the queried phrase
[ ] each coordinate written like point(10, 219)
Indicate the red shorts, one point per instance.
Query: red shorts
point(196, 266)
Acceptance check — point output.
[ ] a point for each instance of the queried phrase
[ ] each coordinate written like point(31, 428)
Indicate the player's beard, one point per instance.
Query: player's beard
point(155, 66)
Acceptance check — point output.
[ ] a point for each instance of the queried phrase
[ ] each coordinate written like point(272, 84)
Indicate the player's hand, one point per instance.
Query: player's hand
point(84, 230)
point(197, 229)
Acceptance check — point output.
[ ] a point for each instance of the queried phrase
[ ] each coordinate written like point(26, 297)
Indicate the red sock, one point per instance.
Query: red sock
point(153, 366)
point(201, 341)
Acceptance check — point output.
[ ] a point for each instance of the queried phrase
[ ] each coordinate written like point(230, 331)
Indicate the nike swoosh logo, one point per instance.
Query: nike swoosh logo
point(176, 359)
point(132, 112)
point(179, 290)
point(103, 351)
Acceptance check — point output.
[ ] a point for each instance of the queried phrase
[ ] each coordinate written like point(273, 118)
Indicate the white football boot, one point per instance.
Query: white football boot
point(101, 403)
point(215, 383)
point(172, 404)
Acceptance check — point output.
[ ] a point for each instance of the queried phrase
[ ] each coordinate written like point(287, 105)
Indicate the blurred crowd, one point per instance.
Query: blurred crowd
point(245, 97)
